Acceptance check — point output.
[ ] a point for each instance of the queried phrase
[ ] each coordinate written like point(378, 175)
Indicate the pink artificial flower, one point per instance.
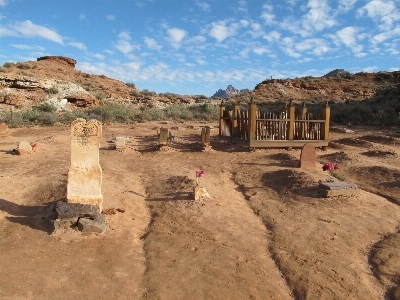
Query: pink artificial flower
point(336, 166)
point(200, 173)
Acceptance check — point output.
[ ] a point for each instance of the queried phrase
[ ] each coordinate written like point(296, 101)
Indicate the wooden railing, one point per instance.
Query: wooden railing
point(290, 127)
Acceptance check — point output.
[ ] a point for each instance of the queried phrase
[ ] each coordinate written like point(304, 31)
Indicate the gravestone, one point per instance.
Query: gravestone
point(163, 138)
point(24, 147)
point(85, 174)
point(308, 156)
point(119, 144)
point(338, 188)
point(205, 138)
point(3, 128)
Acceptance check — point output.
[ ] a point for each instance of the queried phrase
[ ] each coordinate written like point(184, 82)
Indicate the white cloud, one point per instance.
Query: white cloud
point(133, 66)
point(267, 14)
point(346, 5)
point(220, 31)
point(78, 45)
point(110, 17)
point(29, 30)
point(152, 43)
point(82, 17)
point(349, 36)
point(319, 17)
point(381, 11)
point(124, 35)
point(260, 50)
point(98, 55)
point(3, 3)
point(204, 6)
point(244, 23)
point(109, 52)
point(272, 36)
point(124, 46)
point(316, 46)
point(175, 36)
point(27, 47)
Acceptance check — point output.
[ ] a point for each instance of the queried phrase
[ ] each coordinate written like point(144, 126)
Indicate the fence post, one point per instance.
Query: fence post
point(326, 115)
point(252, 120)
point(303, 112)
point(291, 113)
point(235, 120)
point(221, 115)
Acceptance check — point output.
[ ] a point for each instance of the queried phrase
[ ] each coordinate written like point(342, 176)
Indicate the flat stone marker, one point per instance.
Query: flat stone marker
point(85, 174)
point(3, 128)
point(123, 138)
point(338, 188)
point(308, 156)
point(119, 144)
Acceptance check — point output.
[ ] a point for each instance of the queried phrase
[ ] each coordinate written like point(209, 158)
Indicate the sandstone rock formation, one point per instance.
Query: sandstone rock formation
point(60, 59)
point(229, 92)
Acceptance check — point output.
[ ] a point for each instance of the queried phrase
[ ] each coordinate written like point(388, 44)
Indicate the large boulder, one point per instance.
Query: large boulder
point(82, 100)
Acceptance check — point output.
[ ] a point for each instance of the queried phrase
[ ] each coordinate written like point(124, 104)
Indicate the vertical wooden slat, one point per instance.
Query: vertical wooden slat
point(326, 115)
point(291, 120)
point(222, 108)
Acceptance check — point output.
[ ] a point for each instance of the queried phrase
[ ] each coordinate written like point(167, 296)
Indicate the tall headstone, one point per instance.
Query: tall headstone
point(163, 138)
point(85, 174)
point(205, 138)
point(308, 156)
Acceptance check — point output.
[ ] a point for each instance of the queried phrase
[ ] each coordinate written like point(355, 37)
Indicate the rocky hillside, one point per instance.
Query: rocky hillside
point(55, 80)
point(337, 86)
point(229, 92)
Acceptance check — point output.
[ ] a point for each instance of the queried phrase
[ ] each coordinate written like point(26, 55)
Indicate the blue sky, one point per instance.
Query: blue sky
point(196, 47)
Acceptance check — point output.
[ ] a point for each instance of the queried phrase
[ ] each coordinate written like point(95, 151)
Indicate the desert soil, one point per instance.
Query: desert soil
point(264, 232)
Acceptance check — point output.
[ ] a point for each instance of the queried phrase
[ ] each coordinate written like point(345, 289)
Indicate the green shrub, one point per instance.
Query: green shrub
point(178, 112)
point(112, 112)
point(131, 85)
point(8, 64)
point(24, 66)
point(52, 90)
point(46, 107)
point(99, 95)
point(68, 116)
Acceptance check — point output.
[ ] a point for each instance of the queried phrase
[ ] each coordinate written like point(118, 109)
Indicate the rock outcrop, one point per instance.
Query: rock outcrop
point(60, 59)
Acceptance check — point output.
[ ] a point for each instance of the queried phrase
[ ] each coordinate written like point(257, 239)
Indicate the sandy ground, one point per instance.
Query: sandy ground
point(264, 233)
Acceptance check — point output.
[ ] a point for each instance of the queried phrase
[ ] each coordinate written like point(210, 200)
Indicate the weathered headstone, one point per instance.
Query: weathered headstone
point(119, 144)
point(307, 156)
point(24, 147)
point(338, 188)
point(3, 128)
point(85, 174)
point(163, 138)
point(199, 193)
point(205, 138)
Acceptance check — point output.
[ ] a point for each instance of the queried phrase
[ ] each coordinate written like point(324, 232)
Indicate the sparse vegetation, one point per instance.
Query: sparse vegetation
point(99, 95)
point(131, 85)
point(52, 90)
point(8, 65)
point(23, 66)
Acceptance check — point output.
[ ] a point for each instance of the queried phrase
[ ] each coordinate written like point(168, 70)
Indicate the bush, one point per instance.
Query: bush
point(99, 95)
point(46, 107)
point(24, 66)
point(178, 112)
point(52, 90)
point(8, 65)
point(68, 116)
point(131, 85)
point(112, 112)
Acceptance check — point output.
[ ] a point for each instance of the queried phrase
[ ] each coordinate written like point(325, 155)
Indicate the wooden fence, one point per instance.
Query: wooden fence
point(265, 129)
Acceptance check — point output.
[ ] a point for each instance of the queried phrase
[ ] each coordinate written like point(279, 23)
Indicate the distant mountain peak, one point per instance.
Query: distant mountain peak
point(228, 92)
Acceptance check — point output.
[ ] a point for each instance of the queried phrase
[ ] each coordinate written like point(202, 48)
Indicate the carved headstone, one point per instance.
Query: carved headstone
point(307, 156)
point(205, 138)
point(85, 174)
point(163, 137)
point(3, 128)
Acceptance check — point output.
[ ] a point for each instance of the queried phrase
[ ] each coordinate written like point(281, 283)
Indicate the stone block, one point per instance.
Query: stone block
point(119, 145)
point(338, 188)
point(92, 225)
point(200, 192)
point(62, 224)
point(308, 156)
point(76, 210)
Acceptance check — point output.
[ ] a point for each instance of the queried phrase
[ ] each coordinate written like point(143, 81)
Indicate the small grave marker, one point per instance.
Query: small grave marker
point(338, 188)
point(24, 147)
point(308, 156)
point(205, 138)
